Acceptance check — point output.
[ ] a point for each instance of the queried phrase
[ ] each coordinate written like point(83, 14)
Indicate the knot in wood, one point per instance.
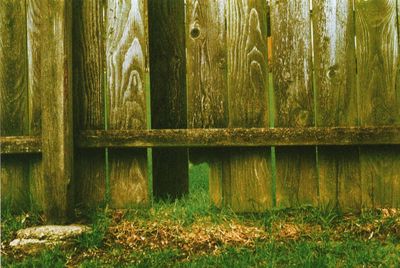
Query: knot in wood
point(195, 32)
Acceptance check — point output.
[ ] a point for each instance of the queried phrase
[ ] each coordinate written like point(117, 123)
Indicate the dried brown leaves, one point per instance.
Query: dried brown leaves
point(202, 236)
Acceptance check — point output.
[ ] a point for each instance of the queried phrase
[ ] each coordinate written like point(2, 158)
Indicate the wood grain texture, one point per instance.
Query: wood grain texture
point(126, 55)
point(13, 101)
point(168, 93)
point(297, 181)
point(230, 137)
point(378, 70)
point(206, 64)
point(336, 101)
point(247, 176)
point(89, 104)
point(207, 80)
point(20, 145)
point(35, 62)
point(54, 29)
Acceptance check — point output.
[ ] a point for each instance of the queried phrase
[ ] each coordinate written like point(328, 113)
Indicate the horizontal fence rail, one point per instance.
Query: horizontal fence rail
point(233, 137)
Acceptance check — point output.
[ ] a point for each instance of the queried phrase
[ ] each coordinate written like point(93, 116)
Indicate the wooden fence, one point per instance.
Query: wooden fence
point(289, 102)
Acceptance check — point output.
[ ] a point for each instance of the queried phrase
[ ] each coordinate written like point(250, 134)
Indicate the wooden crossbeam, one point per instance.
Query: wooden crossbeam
point(233, 137)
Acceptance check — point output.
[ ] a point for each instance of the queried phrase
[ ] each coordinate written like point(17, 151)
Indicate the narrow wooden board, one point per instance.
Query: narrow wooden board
point(36, 180)
point(207, 80)
point(126, 55)
point(378, 70)
point(336, 101)
point(89, 105)
point(247, 176)
point(168, 94)
point(13, 101)
point(54, 30)
point(296, 182)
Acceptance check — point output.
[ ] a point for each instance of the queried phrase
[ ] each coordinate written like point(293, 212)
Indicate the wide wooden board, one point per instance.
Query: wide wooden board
point(126, 53)
point(336, 101)
point(379, 103)
point(207, 81)
point(246, 175)
point(296, 181)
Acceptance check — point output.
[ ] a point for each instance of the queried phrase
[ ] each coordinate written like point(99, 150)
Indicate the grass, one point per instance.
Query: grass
point(191, 233)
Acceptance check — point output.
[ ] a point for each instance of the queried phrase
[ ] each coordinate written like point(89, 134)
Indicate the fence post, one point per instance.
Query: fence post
point(168, 93)
point(13, 101)
point(56, 74)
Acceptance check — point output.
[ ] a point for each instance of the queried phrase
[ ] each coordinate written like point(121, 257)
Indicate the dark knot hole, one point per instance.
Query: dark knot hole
point(195, 32)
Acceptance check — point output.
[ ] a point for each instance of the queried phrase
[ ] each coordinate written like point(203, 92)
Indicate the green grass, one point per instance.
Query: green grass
point(303, 237)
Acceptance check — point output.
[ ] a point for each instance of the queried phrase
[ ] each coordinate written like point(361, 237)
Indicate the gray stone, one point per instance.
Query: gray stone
point(34, 239)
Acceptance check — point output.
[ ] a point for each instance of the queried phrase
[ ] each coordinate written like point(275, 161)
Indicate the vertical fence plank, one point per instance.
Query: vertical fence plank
point(54, 31)
point(297, 181)
point(247, 177)
point(207, 80)
point(89, 106)
point(168, 93)
point(13, 100)
point(126, 96)
point(206, 64)
point(35, 63)
point(336, 101)
point(378, 63)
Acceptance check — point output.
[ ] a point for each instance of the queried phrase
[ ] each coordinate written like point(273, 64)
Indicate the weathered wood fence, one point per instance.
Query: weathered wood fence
point(290, 102)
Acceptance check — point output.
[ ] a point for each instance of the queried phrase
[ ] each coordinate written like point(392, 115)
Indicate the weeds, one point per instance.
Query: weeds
point(54, 258)
point(94, 239)
point(191, 233)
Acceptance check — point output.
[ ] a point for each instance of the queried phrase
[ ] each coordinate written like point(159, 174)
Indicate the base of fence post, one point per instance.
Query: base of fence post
point(57, 135)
